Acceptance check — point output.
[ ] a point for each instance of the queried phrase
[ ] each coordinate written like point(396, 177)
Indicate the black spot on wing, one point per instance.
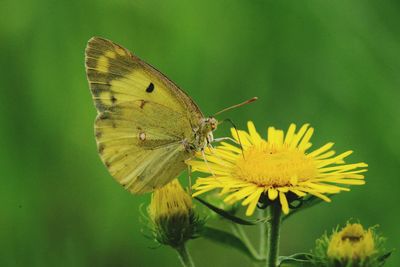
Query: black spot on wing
point(150, 88)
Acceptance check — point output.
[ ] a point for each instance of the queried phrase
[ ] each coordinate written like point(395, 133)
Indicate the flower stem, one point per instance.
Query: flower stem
point(263, 233)
point(273, 235)
point(184, 256)
point(238, 231)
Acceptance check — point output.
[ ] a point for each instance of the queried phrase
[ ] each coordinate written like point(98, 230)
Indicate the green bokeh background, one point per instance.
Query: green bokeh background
point(334, 64)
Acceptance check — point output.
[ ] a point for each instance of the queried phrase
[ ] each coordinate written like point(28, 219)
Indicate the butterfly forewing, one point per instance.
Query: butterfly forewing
point(142, 119)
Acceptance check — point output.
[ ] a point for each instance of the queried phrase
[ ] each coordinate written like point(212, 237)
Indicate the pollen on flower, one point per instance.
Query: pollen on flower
point(271, 166)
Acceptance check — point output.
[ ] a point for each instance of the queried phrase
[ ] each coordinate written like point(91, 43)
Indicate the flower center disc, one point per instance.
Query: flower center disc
point(267, 165)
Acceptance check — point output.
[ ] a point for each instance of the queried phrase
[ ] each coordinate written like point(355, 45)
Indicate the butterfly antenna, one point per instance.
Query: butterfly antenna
point(251, 100)
point(237, 133)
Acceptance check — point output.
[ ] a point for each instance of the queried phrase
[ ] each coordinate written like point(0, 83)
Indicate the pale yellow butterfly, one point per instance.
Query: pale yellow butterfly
point(146, 126)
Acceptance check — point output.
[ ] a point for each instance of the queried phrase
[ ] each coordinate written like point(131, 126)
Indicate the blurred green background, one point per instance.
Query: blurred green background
point(334, 64)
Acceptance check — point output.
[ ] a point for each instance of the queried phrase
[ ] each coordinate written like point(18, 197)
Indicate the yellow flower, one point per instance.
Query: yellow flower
point(352, 243)
point(172, 216)
point(275, 167)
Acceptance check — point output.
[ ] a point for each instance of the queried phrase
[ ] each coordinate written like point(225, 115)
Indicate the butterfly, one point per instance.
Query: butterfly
point(146, 126)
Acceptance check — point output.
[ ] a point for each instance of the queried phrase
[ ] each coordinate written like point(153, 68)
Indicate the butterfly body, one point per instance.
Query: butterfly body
point(146, 127)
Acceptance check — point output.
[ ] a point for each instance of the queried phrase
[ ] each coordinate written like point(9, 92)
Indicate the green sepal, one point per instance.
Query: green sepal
point(229, 216)
point(225, 238)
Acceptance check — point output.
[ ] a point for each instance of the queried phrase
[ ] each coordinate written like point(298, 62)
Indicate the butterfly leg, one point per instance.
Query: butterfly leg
point(209, 145)
point(225, 139)
point(230, 139)
point(206, 162)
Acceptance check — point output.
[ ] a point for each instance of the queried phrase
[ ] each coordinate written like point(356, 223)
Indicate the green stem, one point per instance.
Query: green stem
point(263, 233)
point(273, 234)
point(238, 231)
point(184, 256)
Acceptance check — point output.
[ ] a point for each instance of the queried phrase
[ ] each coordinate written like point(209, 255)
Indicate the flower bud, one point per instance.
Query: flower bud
point(172, 216)
point(352, 243)
point(352, 246)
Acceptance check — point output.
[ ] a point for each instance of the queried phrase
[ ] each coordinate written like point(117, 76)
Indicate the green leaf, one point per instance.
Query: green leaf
point(225, 238)
point(228, 215)
point(298, 259)
point(382, 259)
point(306, 203)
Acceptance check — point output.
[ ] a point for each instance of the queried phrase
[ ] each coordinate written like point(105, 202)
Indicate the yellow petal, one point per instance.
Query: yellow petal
point(271, 135)
point(251, 207)
point(284, 203)
point(321, 149)
point(272, 193)
point(255, 195)
point(279, 137)
point(256, 138)
point(253, 204)
point(304, 142)
point(299, 135)
point(321, 196)
point(298, 192)
point(290, 133)
point(326, 155)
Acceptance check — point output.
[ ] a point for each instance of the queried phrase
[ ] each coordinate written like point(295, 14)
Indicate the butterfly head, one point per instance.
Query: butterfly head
point(209, 124)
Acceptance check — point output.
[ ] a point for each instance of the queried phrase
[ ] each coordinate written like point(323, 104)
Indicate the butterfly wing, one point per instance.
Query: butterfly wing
point(136, 146)
point(142, 119)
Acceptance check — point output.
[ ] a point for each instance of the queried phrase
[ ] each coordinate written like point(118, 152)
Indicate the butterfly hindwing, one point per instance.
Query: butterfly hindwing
point(142, 119)
point(140, 154)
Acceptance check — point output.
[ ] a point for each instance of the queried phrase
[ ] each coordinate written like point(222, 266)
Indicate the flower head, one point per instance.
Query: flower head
point(275, 167)
point(352, 242)
point(172, 216)
point(351, 246)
